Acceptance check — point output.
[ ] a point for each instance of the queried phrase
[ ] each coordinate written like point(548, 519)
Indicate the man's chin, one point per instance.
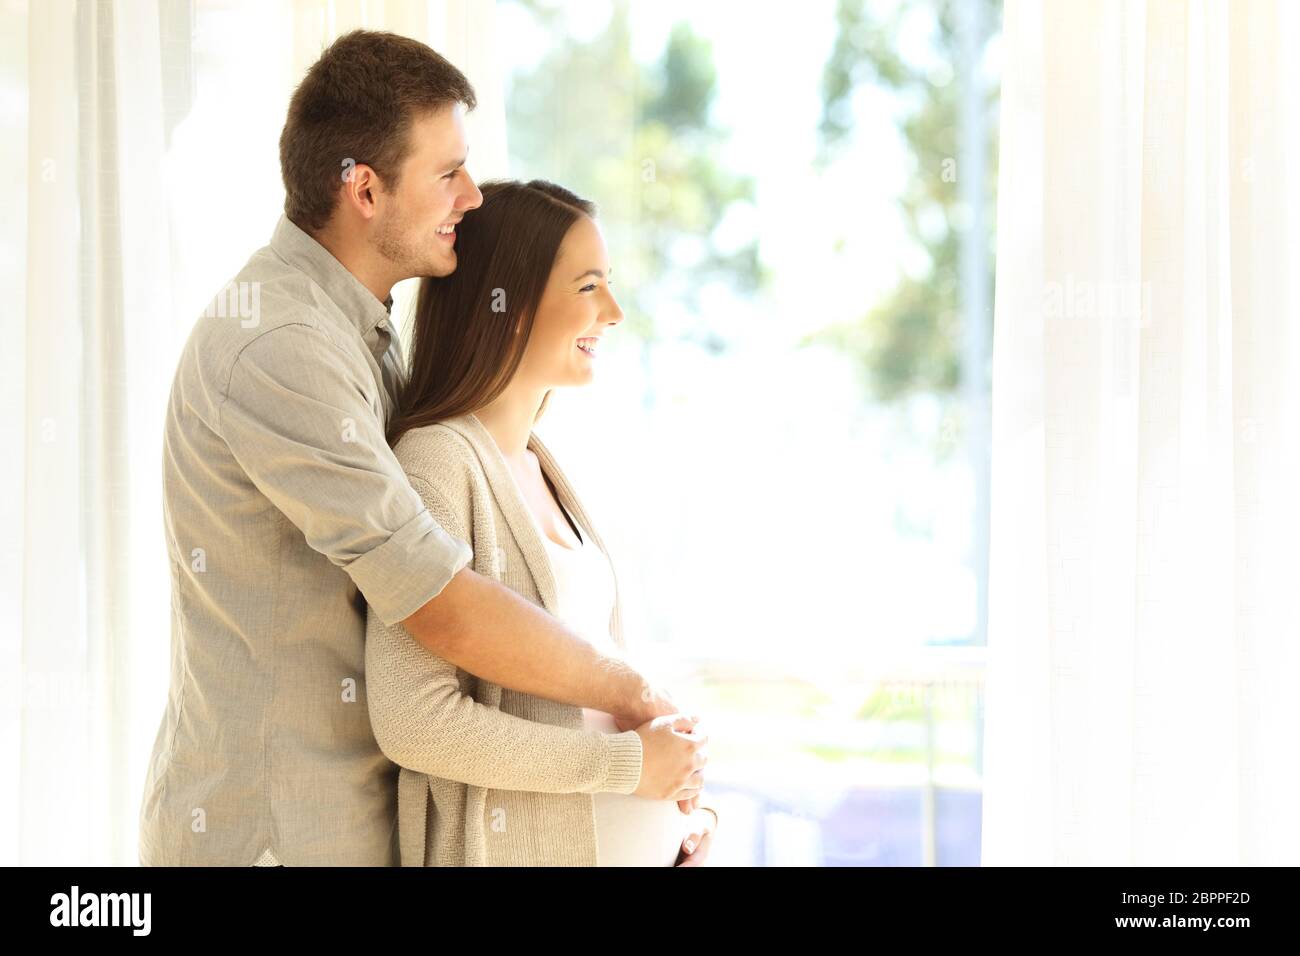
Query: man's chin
point(442, 266)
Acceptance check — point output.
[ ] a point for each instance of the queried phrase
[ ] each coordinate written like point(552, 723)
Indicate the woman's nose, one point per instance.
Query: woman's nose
point(613, 313)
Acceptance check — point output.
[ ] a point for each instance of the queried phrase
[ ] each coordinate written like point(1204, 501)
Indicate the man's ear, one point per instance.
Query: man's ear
point(360, 188)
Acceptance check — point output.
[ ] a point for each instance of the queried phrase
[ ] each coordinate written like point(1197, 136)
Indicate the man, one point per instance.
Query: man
point(286, 511)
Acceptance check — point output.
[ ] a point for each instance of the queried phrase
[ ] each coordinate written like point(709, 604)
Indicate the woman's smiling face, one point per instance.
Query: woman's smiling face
point(576, 309)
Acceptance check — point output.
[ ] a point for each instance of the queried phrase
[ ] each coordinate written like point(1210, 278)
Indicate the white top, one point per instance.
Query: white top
point(630, 830)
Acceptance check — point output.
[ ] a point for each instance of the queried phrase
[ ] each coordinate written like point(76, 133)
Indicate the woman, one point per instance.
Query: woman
point(492, 776)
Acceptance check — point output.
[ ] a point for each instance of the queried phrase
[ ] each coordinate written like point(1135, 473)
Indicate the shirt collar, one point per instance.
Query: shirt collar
point(356, 302)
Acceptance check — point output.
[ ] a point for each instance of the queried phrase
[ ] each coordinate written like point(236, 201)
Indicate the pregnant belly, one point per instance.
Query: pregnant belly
point(632, 830)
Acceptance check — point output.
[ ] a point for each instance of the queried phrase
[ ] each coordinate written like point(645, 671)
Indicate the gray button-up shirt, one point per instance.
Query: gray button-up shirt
point(285, 512)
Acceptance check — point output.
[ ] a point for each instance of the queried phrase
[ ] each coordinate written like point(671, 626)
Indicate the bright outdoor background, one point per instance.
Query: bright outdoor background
point(784, 439)
point(785, 447)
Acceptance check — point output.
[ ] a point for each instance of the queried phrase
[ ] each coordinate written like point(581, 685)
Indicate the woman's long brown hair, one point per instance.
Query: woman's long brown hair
point(464, 350)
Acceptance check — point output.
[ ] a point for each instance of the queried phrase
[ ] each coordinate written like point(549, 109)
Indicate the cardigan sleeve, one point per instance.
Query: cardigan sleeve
point(423, 719)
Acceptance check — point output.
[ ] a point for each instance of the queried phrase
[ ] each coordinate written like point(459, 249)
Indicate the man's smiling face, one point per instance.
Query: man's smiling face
point(416, 222)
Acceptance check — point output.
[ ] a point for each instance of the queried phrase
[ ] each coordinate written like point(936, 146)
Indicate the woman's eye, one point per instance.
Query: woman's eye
point(588, 287)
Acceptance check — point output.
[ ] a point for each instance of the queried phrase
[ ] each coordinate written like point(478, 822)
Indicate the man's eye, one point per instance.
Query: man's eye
point(452, 174)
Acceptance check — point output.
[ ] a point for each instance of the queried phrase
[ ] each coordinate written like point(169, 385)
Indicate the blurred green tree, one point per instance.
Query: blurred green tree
point(639, 141)
point(911, 340)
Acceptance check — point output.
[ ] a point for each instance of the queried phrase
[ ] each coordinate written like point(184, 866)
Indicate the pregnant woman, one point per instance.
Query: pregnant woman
point(491, 776)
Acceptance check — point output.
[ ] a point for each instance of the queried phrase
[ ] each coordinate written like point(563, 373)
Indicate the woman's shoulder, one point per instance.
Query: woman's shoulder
point(438, 453)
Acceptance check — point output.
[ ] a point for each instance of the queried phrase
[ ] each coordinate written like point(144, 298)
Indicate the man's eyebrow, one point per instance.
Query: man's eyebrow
point(591, 272)
point(458, 165)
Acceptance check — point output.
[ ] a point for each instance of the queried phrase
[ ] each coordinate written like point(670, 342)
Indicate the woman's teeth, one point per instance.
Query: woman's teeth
point(587, 345)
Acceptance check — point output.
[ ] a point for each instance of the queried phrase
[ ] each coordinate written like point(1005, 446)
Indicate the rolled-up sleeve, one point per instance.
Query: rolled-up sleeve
point(296, 417)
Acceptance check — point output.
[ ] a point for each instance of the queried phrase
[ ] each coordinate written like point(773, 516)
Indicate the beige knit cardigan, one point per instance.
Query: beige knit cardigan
point(489, 776)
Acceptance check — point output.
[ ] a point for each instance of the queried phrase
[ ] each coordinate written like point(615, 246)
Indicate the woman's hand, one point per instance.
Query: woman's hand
point(695, 848)
point(672, 755)
point(697, 779)
point(689, 804)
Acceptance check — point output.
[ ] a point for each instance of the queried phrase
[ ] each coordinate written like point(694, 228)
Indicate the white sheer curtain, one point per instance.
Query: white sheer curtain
point(107, 263)
point(1144, 634)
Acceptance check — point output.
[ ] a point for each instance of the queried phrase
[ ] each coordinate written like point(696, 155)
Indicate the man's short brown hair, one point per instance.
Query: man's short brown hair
point(355, 106)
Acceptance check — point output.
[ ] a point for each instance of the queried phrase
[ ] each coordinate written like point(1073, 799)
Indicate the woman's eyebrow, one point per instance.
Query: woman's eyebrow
point(591, 272)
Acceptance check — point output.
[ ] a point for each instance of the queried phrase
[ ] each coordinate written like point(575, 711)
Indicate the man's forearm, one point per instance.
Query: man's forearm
point(490, 631)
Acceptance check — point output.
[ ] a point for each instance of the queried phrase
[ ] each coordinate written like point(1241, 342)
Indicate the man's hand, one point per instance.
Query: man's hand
point(655, 701)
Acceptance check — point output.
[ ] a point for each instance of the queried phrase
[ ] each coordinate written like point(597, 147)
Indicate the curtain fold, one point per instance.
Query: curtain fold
point(50, 653)
point(1146, 435)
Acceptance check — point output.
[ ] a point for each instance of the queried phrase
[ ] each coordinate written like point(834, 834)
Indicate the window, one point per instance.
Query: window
point(787, 443)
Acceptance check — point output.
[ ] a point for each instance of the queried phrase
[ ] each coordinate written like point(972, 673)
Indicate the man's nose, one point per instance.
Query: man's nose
point(471, 199)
